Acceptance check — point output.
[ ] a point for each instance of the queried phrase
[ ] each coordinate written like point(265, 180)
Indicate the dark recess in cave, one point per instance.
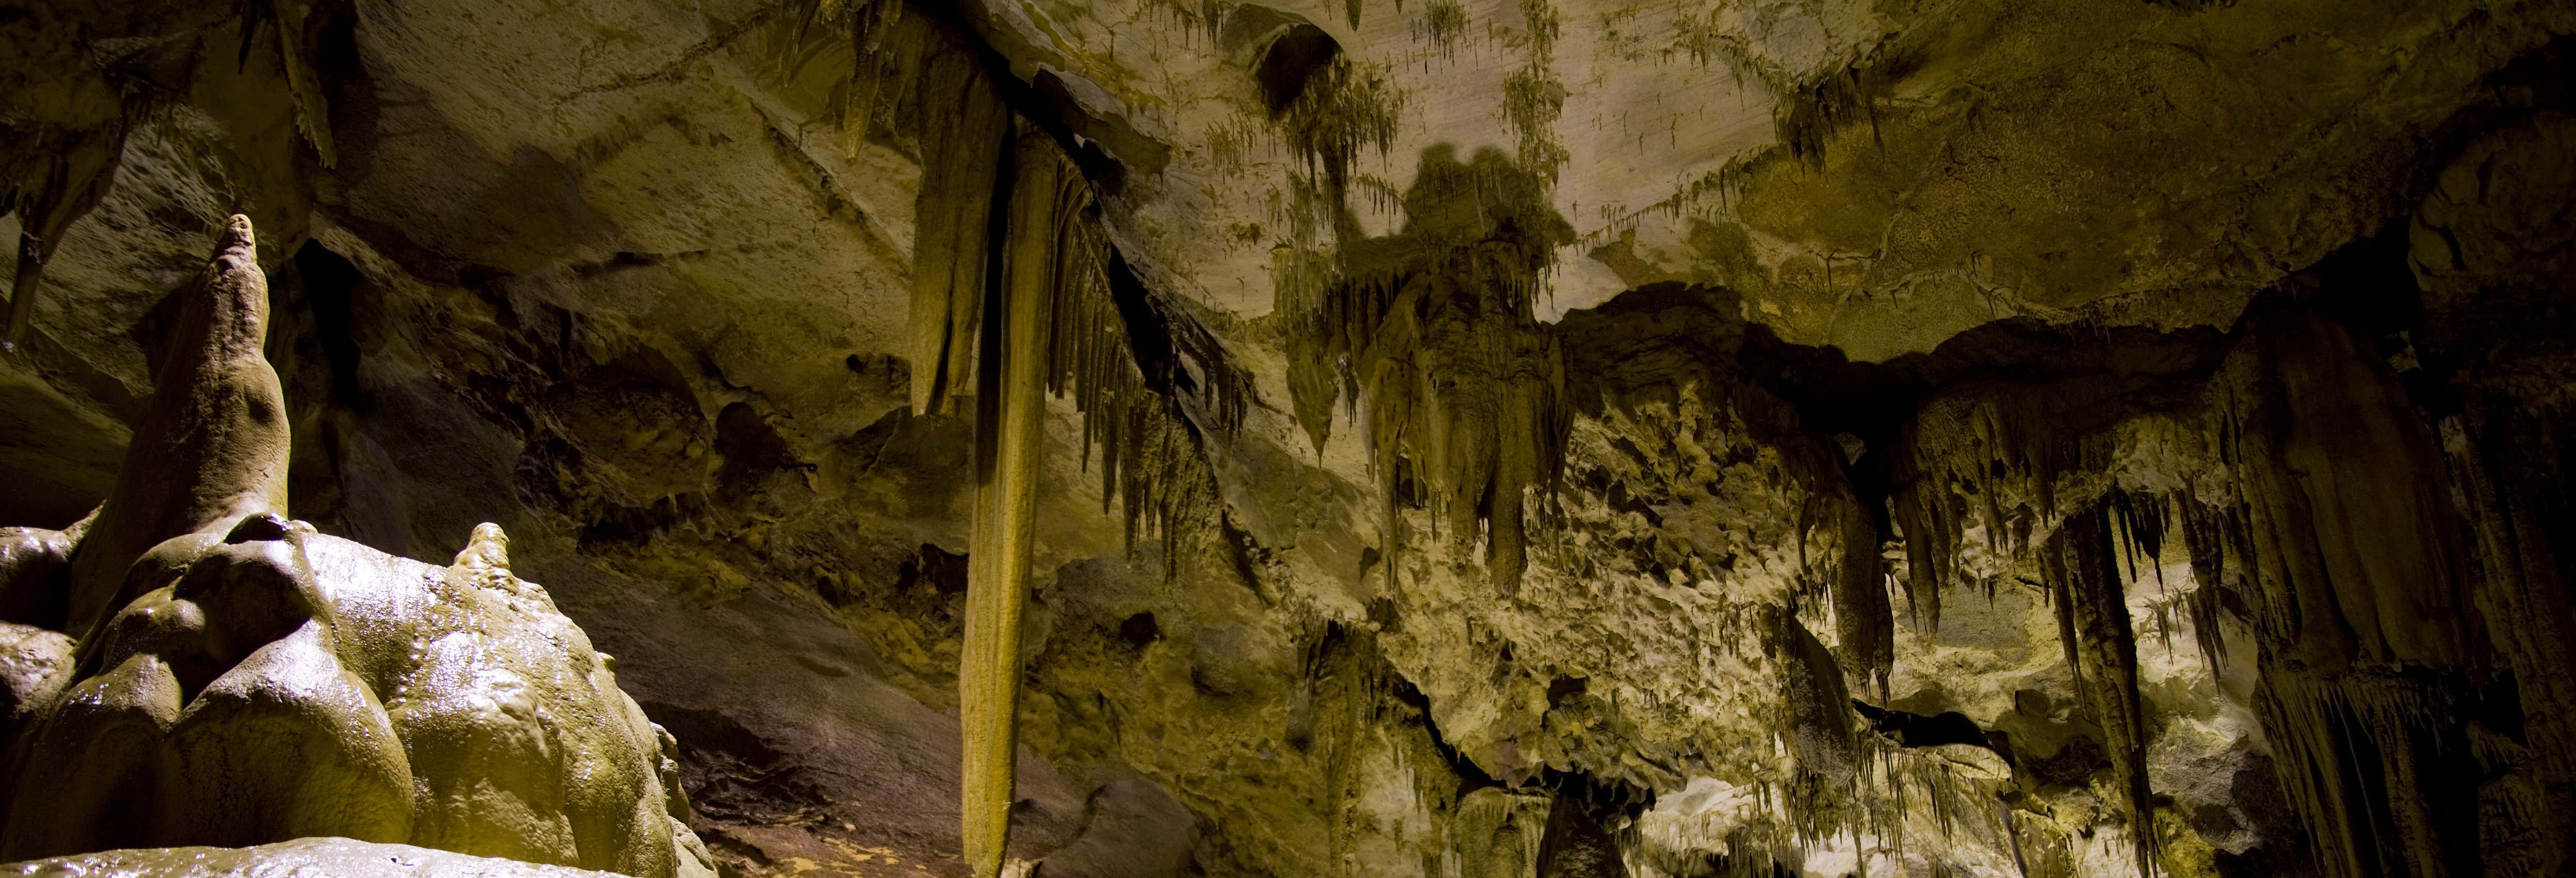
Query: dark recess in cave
point(1917, 730)
point(1139, 630)
point(1290, 60)
point(331, 286)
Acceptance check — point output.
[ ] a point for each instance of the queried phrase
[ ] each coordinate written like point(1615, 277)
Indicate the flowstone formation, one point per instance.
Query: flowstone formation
point(189, 667)
point(337, 857)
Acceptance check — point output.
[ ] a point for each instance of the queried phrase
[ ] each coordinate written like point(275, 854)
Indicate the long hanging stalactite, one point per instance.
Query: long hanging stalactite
point(1010, 410)
point(1013, 292)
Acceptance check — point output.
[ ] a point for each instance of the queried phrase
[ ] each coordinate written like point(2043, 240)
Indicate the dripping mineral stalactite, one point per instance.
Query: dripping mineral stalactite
point(2091, 597)
point(1824, 791)
point(69, 182)
point(1010, 405)
point(965, 130)
point(1449, 372)
point(2357, 605)
point(1047, 317)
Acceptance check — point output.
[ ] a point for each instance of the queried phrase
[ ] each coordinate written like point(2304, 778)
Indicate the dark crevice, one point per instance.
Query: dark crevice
point(941, 572)
point(1599, 797)
point(1564, 689)
point(1289, 61)
point(1179, 357)
point(1944, 728)
point(1574, 844)
point(1471, 777)
point(752, 452)
point(332, 286)
point(1140, 630)
point(731, 774)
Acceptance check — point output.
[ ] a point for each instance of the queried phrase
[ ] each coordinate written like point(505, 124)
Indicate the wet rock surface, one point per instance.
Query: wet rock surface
point(257, 681)
point(322, 856)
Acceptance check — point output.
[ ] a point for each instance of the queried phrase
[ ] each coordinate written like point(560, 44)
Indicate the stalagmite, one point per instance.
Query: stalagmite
point(212, 448)
point(257, 681)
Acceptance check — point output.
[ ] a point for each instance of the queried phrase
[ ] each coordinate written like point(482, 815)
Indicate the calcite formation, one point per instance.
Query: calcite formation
point(189, 667)
point(321, 856)
point(1455, 438)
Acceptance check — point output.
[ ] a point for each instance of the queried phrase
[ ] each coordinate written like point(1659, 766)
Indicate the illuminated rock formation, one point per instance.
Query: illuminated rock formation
point(260, 682)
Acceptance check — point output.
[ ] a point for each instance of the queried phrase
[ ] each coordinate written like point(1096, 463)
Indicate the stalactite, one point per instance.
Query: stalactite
point(1819, 720)
point(2323, 525)
point(2355, 600)
point(1344, 105)
point(1864, 622)
point(1014, 275)
point(295, 56)
point(1355, 703)
point(2521, 488)
point(2208, 532)
point(1993, 461)
point(1534, 97)
point(1575, 845)
point(1824, 797)
point(2090, 594)
point(964, 130)
point(1011, 376)
point(77, 168)
point(1447, 368)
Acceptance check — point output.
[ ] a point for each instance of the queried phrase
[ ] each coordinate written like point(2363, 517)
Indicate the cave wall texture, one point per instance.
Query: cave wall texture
point(1455, 438)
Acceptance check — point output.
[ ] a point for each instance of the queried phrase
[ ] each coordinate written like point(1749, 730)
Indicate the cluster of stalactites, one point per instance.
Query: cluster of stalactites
point(2315, 517)
point(2342, 544)
point(1012, 291)
point(76, 170)
point(1852, 578)
point(1995, 463)
point(887, 56)
point(969, 139)
point(60, 173)
point(1433, 349)
point(964, 131)
point(1475, 410)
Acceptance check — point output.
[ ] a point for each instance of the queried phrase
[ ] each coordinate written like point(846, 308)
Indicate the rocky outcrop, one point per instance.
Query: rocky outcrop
point(320, 856)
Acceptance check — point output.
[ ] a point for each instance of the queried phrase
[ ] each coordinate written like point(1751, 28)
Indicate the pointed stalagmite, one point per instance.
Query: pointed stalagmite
point(212, 448)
